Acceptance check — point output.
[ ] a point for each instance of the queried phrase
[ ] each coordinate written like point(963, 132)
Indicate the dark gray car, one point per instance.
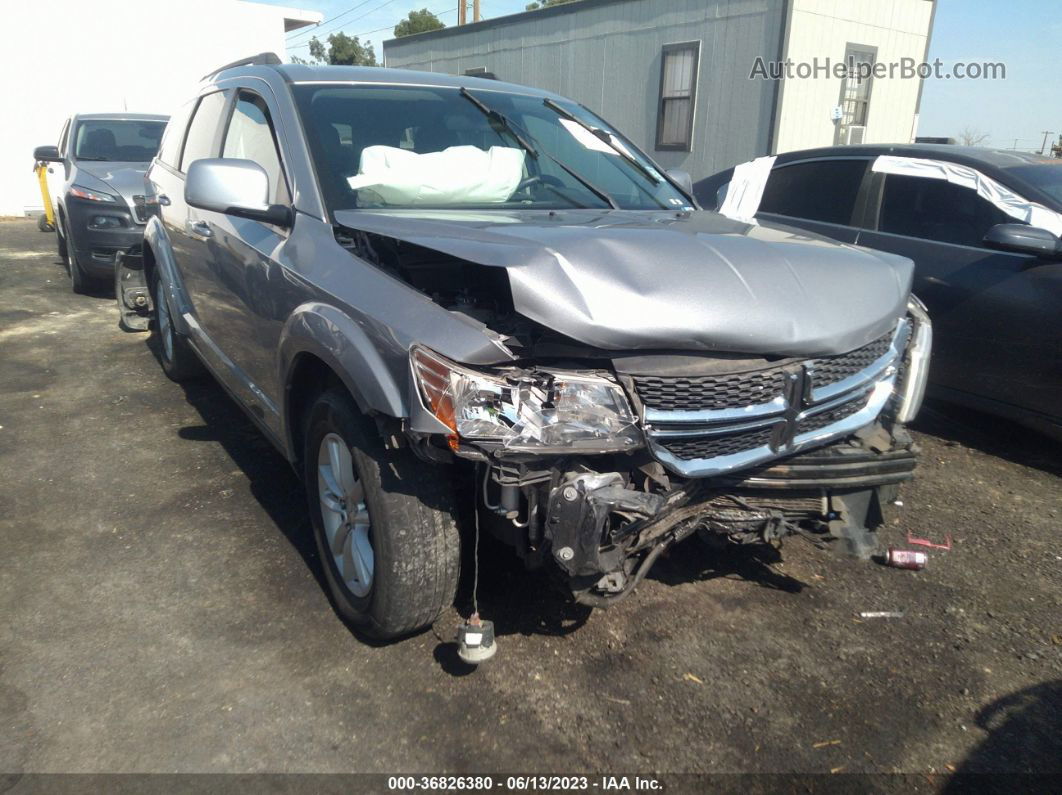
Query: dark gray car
point(97, 187)
point(415, 281)
point(982, 227)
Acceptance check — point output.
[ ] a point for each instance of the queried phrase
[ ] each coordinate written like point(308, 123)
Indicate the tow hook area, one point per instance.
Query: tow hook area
point(131, 291)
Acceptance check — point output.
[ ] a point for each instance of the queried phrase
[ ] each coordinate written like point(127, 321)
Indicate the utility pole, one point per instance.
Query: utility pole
point(1043, 146)
point(462, 11)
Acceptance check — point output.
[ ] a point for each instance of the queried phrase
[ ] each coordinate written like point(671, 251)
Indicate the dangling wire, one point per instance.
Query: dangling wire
point(475, 564)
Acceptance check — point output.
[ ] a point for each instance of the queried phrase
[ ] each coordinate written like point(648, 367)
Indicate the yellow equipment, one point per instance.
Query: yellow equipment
point(48, 223)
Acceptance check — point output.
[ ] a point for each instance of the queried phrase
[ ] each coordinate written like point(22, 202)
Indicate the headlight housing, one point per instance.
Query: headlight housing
point(915, 362)
point(524, 410)
point(79, 192)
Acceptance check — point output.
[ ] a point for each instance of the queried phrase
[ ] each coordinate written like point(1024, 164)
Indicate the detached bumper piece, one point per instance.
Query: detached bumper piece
point(131, 291)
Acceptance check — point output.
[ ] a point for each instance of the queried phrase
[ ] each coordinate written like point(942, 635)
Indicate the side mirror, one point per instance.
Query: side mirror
point(234, 187)
point(1024, 239)
point(47, 154)
point(682, 179)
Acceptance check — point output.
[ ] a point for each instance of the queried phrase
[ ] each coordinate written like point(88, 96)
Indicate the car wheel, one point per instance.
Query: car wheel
point(179, 361)
point(60, 242)
point(383, 521)
point(80, 283)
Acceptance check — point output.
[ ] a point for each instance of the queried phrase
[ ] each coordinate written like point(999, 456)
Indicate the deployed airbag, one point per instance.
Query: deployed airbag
point(457, 175)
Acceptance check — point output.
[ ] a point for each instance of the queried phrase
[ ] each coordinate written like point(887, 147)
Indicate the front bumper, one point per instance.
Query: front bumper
point(98, 248)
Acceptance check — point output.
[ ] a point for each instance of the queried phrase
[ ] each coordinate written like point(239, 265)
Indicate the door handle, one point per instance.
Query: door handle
point(200, 229)
point(164, 200)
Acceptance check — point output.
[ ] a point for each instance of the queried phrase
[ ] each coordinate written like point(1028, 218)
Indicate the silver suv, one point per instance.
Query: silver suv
point(428, 289)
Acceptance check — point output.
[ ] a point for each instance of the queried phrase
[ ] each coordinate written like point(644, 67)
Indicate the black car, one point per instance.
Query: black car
point(993, 289)
point(96, 183)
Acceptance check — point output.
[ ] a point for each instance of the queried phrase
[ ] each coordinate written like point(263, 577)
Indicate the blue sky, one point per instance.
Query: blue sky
point(1022, 34)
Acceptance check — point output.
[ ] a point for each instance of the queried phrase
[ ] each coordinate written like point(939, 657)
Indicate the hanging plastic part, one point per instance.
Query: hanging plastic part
point(475, 637)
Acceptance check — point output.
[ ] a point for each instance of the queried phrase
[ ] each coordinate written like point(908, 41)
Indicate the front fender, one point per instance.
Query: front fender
point(156, 238)
point(336, 339)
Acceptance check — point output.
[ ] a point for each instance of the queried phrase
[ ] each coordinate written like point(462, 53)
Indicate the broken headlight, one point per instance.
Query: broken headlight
point(526, 410)
point(916, 362)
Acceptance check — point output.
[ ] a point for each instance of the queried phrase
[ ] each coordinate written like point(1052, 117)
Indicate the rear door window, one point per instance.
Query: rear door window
point(203, 131)
point(933, 209)
point(820, 190)
point(170, 149)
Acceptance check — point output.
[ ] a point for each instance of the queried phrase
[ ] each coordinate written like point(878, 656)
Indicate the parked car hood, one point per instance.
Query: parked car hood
point(126, 179)
point(629, 280)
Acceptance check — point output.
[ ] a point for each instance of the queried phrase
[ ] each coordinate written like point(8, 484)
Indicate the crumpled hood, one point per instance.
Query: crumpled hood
point(629, 280)
point(125, 179)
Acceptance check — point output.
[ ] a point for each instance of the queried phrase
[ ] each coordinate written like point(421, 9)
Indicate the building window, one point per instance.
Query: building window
point(855, 94)
point(678, 95)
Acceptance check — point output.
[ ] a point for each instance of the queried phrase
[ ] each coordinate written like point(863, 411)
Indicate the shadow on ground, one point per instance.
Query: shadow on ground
point(992, 435)
point(1024, 737)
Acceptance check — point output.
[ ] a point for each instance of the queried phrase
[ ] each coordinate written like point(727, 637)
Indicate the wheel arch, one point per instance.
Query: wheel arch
point(322, 347)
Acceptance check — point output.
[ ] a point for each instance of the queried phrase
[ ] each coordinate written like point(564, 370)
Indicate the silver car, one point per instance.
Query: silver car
point(446, 296)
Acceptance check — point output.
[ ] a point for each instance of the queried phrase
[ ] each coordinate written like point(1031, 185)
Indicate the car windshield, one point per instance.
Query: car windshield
point(1046, 176)
point(125, 140)
point(421, 146)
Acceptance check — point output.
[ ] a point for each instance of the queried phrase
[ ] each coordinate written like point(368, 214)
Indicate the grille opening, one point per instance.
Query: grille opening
point(706, 393)
point(831, 369)
point(716, 446)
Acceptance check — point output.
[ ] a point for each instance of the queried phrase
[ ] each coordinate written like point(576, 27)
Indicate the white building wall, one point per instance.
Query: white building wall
point(65, 56)
point(822, 28)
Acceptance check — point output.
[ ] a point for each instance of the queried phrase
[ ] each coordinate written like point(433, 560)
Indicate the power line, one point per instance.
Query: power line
point(348, 22)
point(296, 33)
point(377, 30)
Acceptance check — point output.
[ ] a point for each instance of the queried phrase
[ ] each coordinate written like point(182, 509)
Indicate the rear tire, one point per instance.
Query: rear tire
point(178, 360)
point(391, 501)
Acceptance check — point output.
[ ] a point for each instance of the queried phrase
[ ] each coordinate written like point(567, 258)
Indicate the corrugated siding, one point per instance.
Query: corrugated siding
point(608, 56)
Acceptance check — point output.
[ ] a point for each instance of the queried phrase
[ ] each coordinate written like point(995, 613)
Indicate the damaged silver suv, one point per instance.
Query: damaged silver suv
point(416, 281)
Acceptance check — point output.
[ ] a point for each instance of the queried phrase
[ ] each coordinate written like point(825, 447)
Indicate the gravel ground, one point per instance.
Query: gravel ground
point(161, 608)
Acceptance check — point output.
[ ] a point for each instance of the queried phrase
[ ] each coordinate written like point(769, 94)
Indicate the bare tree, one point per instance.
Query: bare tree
point(971, 136)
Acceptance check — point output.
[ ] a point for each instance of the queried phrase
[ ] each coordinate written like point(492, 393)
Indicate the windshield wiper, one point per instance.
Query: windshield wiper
point(503, 122)
point(97, 159)
point(516, 133)
point(604, 136)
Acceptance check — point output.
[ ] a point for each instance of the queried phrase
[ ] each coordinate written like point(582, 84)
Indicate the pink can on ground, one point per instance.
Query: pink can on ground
point(906, 559)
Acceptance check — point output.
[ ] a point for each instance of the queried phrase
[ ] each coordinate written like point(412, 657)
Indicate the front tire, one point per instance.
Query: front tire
point(383, 521)
point(80, 282)
point(178, 360)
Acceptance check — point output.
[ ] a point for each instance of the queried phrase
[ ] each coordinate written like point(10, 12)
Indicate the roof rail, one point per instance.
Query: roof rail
point(262, 59)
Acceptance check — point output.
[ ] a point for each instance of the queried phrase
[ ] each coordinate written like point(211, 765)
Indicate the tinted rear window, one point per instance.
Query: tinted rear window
point(823, 190)
point(932, 209)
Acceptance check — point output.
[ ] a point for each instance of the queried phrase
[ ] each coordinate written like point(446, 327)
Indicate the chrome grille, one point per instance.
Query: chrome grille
point(742, 419)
